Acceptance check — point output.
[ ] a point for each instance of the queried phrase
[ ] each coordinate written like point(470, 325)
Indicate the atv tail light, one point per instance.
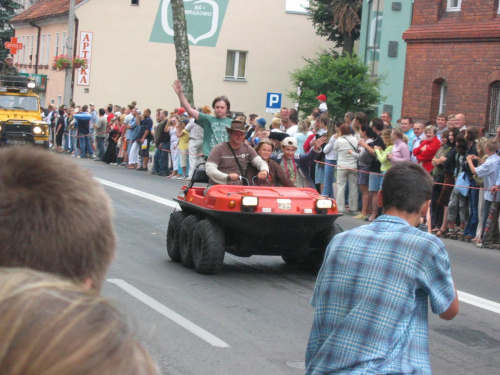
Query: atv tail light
point(249, 204)
point(323, 205)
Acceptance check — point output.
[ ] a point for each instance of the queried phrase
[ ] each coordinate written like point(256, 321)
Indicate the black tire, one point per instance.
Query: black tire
point(186, 240)
point(321, 241)
point(294, 260)
point(173, 232)
point(208, 247)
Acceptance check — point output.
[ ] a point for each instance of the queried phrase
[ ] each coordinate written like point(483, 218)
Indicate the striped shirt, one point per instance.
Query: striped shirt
point(371, 300)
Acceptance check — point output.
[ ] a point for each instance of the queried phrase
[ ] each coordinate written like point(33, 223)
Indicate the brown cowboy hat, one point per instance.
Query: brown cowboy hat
point(238, 125)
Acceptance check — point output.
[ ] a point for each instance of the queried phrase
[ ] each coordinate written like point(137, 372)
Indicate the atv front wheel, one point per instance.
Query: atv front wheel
point(208, 247)
point(173, 235)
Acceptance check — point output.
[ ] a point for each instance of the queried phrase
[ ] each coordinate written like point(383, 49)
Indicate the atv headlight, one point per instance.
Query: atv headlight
point(37, 130)
point(249, 204)
point(323, 205)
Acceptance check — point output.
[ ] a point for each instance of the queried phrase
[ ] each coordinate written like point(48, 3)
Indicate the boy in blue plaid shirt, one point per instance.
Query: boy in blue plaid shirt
point(371, 295)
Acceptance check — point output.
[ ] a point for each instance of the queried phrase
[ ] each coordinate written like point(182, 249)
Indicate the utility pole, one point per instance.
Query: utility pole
point(69, 46)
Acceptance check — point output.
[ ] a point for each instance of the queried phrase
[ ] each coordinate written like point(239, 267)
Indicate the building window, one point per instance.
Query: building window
point(40, 52)
point(494, 115)
point(236, 65)
point(64, 41)
point(134, 2)
point(297, 6)
point(56, 51)
point(443, 92)
point(47, 51)
point(374, 29)
point(454, 5)
point(31, 48)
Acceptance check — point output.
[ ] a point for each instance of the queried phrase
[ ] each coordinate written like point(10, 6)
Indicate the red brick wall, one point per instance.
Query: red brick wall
point(426, 12)
point(462, 48)
point(468, 68)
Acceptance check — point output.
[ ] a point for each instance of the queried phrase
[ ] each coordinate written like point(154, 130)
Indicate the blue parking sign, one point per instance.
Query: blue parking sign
point(273, 102)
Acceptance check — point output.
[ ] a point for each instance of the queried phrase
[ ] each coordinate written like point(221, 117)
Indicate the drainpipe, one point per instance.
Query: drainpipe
point(74, 49)
point(37, 45)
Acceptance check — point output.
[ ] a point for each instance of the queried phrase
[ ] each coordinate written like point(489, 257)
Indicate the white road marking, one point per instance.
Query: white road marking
point(170, 314)
point(462, 296)
point(139, 193)
point(479, 302)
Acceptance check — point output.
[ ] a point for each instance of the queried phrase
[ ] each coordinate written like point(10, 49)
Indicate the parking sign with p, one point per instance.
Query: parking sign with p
point(273, 102)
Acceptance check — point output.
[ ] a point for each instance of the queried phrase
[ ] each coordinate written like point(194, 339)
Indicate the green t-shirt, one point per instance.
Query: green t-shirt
point(215, 131)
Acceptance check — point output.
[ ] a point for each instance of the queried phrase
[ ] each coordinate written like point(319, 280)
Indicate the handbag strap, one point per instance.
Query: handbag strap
point(355, 149)
point(237, 162)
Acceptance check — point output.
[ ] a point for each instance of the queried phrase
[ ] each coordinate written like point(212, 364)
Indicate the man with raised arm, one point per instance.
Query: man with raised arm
point(214, 126)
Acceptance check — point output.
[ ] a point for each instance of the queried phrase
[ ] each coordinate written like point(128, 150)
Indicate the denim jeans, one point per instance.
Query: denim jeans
point(471, 227)
point(329, 178)
point(72, 137)
point(85, 146)
point(164, 169)
point(100, 147)
point(156, 160)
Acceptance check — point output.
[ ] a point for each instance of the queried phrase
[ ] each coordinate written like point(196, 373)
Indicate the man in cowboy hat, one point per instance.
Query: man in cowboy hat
point(229, 160)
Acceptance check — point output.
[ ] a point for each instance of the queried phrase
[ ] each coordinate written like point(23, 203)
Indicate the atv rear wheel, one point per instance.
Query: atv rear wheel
point(208, 247)
point(186, 240)
point(173, 234)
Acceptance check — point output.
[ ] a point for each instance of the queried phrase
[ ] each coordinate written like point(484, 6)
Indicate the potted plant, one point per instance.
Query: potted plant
point(78, 62)
point(62, 61)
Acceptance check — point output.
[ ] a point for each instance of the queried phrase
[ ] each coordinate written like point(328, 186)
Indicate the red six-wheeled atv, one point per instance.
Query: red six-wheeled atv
point(295, 223)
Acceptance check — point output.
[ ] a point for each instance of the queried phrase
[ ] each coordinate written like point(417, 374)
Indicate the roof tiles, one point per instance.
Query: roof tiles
point(44, 9)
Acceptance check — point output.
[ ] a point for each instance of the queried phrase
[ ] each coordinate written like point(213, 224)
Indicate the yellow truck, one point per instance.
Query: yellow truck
point(20, 113)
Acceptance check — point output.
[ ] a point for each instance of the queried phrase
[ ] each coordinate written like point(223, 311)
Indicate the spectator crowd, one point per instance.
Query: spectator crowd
point(344, 159)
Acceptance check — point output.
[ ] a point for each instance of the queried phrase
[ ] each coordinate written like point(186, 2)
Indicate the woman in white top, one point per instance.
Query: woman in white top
point(347, 165)
point(330, 159)
point(174, 140)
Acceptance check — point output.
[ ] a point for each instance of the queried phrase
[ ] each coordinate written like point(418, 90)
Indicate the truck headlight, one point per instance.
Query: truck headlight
point(323, 205)
point(31, 85)
point(37, 130)
point(249, 204)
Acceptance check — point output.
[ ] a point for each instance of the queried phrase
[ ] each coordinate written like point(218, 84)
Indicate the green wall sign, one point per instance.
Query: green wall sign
point(203, 17)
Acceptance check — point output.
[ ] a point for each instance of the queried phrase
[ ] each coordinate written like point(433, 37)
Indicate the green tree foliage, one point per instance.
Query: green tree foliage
point(7, 11)
point(343, 79)
point(338, 20)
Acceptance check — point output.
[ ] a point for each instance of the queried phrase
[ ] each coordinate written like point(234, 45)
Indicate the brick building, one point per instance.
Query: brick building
point(453, 61)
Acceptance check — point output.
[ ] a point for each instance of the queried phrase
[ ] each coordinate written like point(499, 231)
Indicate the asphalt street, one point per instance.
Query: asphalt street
point(254, 317)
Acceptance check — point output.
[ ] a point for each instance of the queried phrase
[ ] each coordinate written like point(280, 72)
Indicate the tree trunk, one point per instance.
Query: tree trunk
point(182, 61)
point(347, 44)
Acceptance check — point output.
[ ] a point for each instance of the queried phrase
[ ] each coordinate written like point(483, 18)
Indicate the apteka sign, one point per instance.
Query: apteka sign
point(203, 20)
point(85, 52)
